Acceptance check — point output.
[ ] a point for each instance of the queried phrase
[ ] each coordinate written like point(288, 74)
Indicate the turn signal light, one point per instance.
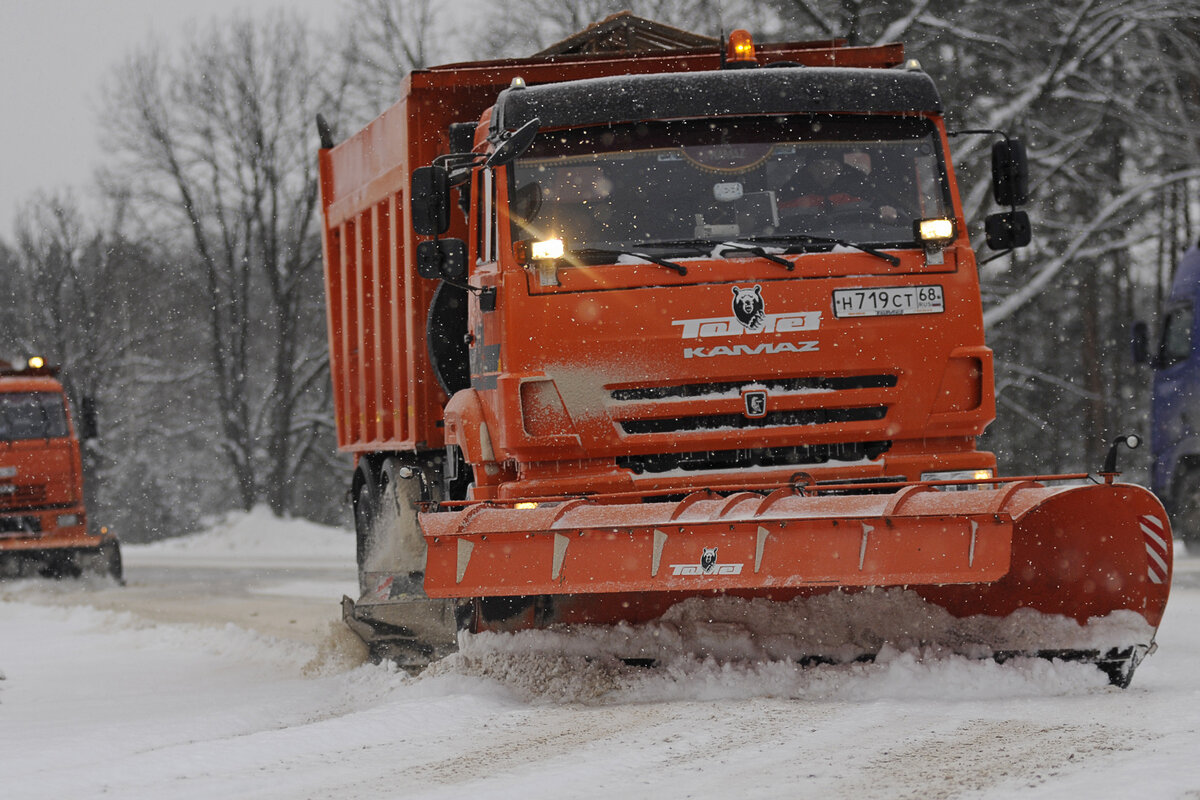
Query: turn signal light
point(965, 475)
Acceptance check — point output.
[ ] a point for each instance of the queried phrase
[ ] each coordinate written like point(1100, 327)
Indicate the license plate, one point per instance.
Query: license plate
point(888, 301)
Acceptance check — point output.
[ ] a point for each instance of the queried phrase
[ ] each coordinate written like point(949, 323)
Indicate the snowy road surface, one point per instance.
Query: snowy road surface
point(221, 671)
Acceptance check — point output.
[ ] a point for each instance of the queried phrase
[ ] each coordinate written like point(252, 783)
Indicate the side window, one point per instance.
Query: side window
point(487, 217)
point(481, 203)
point(1176, 344)
point(493, 229)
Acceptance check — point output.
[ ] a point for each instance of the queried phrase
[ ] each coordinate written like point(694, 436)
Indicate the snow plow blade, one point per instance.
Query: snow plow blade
point(712, 543)
point(64, 558)
point(1077, 553)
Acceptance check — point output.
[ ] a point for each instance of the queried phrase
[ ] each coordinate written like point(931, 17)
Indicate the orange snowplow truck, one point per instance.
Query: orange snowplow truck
point(609, 332)
point(43, 523)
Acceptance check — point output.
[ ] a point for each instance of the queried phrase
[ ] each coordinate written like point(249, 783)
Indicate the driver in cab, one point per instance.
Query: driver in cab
point(830, 182)
point(824, 182)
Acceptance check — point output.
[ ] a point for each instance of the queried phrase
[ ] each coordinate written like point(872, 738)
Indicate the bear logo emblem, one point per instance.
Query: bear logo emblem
point(749, 308)
point(708, 559)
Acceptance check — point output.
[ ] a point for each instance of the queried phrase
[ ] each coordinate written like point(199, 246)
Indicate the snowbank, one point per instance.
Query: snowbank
point(254, 538)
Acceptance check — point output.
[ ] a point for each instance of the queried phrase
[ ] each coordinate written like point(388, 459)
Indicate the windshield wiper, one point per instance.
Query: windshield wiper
point(783, 239)
point(758, 251)
point(810, 239)
point(604, 251)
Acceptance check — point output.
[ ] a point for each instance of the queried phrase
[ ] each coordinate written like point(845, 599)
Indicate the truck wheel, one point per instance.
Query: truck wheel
point(111, 561)
point(1187, 509)
point(366, 504)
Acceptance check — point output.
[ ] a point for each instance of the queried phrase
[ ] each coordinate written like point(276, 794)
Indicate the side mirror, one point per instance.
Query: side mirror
point(1010, 172)
point(1008, 230)
point(442, 258)
point(430, 200)
point(88, 428)
point(1139, 342)
point(512, 147)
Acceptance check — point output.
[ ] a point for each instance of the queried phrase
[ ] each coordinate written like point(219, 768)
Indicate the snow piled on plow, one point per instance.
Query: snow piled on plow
point(730, 647)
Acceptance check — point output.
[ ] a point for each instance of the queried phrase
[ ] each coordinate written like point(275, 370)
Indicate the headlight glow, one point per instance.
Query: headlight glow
point(935, 230)
point(549, 249)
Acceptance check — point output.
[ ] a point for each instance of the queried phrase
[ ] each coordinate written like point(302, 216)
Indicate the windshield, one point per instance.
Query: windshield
point(862, 179)
point(32, 415)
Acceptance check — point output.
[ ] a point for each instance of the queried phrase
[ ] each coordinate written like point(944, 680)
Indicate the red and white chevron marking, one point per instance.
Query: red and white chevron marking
point(1158, 547)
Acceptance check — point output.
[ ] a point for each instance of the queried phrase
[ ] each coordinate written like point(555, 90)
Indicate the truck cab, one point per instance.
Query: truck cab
point(770, 275)
point(44, 526)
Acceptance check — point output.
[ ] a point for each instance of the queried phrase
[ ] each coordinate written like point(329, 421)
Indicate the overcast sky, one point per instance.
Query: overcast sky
point(54, 57)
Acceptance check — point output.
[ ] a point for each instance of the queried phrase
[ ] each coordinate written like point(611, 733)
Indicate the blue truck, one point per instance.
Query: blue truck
point(1175, 400)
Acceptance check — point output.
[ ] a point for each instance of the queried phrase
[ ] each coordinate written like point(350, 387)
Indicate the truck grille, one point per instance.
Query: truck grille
point(795, 385)
point(23, 496)
point(793, 402)
point(21, 526)
point(798, 456)
point(812, 416)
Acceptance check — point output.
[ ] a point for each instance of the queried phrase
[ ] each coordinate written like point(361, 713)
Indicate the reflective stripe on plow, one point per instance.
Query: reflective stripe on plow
point(560, 552)
point(660, 539)
point(1157, 547)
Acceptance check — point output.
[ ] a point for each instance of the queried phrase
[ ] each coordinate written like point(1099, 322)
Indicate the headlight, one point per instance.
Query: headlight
point(528, 251)
point(935, 231)
point(67, 520)
point(550, 248)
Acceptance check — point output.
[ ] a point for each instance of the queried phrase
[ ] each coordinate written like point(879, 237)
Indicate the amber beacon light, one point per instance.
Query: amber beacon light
point(741, 48)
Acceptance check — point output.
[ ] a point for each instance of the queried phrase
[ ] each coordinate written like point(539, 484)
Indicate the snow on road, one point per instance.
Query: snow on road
point(99, 700)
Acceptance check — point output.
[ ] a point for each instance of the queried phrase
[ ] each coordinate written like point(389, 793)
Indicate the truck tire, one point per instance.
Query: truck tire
point(1187, 509)
point(365, 511)
point(111, 564)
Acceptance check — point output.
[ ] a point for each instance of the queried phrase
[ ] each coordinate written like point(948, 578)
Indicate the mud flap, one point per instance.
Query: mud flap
point(412, 631)
point(104, 561)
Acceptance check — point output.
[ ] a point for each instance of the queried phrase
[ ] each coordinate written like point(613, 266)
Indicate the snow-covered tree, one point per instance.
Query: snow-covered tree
point(215, 146)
